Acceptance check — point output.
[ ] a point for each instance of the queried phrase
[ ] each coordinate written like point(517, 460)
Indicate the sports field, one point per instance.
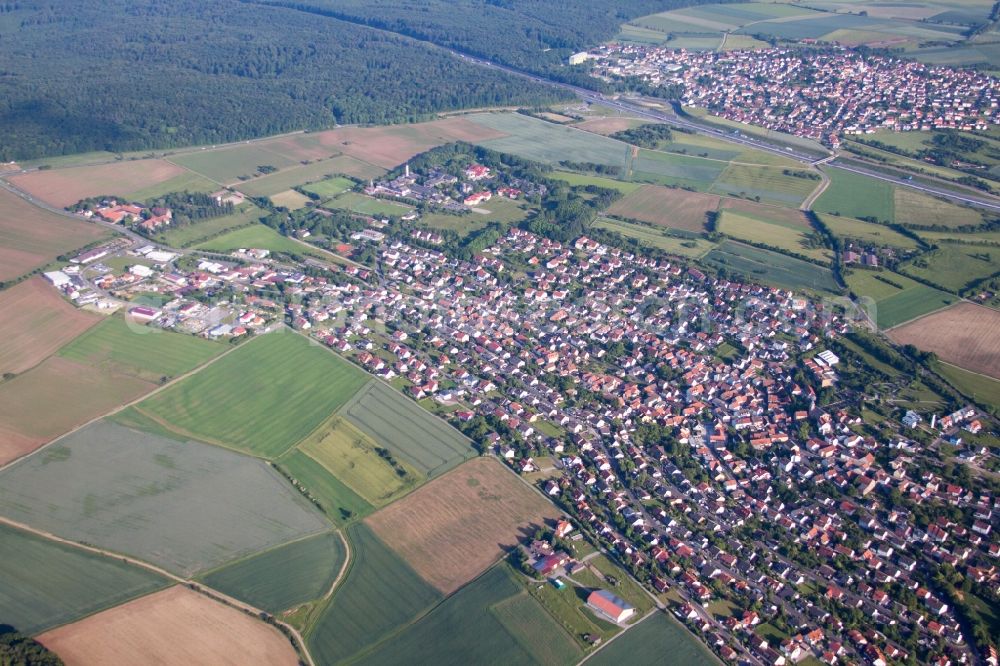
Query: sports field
point(351, 456)
point(55, 397)
point(365, 205)
point(867, 233)
point(492, 621)
point(185, 506)
point(454, 527)
point(330, 187)
point(284, 577)
point(258, 236)
point(897, 298)
point(774, 233)
point(649, 642)
point(274, 183)
point(31, 237)
point(290, 199)
point(35, 322)
point(664, 206)
point(420, 439)
point(341, 504)
point(964, 335)
point(192, 234)
point(379, 595)
point(62, 187)
point(955, 266)
point(227, 165)
point(772, 268)
point(175, 627)
point(854, 195)
point(121, 347)
point(548, 143)
point(46, 584)
point(263, 398)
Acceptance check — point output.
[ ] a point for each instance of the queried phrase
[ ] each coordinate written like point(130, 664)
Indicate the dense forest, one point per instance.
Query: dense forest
point(531, 35)
point(126, 75)
point(16, 649)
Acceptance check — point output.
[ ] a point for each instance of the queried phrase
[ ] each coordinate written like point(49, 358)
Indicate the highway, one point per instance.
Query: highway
point(986, 201)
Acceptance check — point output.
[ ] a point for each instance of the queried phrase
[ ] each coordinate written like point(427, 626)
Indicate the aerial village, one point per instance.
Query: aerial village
point(700, 429)
point(821, 95)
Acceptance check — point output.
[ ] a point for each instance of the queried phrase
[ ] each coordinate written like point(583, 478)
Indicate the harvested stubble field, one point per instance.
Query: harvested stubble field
point(350, 455)
point(46, 583)
point(175, 627)
point(62, 187)
point(964, 335)
point(263, 398)
point(379, 595)
point(484, 624)
point(290, 199)
point(454, 527)
point(284, 577)
point(390, 145)
point(36, 321)
point(185, 506)
point(606, 126)
point(55, 397)
point(119, 346)
point(668, 207)
point(419, 438)
point(31, 237)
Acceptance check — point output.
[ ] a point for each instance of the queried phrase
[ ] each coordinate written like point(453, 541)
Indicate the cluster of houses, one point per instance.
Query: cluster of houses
point(445, 190)
point(818, 95)
point(141, 217)
point(639, 337)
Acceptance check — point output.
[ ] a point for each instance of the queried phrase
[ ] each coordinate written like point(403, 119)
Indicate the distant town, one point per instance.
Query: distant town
point(821, 95)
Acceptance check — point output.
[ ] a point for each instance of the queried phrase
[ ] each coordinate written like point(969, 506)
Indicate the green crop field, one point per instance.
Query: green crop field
point(776, 233)
point(658, 238)
point(980, 387)
point(185, 506)
point(192, 234)
point(480, 623)
point(227, 165)
point(350, 455)
point(365, 205)
point(673, 169)
point(258, 236)
point(599, 181)
point(284, 577)
point(953, 266)
point(340, 503)
point(546, 142)
point(274, 183)
point(914, 207)
point(330, 187)
point(186, 182)
point(379, 595)
point(770, 184)
point(46, 584)
point(119, 346)
point(263, 398)
point(894, 305)
point(854, 195)
point(414, 435)
point(868, 233)
point(773, 268)
point(648, 643)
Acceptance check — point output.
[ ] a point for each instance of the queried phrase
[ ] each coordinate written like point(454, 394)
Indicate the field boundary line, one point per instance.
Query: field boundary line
point(928, 314)
point(121, 407)
point(190, 170)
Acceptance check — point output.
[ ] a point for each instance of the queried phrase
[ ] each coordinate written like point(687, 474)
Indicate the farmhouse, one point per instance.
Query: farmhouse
point(610, 606)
